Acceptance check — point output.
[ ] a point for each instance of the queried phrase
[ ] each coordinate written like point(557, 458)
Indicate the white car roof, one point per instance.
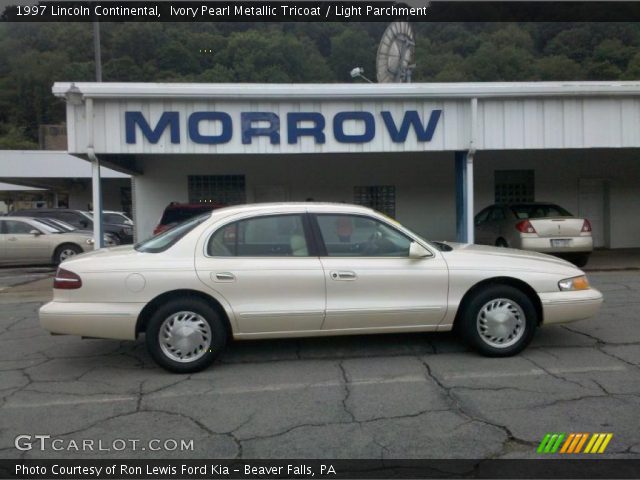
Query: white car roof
point(289, 206)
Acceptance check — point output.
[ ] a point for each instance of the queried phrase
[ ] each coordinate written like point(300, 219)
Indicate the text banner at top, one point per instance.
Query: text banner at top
point(318, 11)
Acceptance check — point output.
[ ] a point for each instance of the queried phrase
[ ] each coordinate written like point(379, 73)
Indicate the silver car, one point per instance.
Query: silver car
point(541, 227)
point(25, 240)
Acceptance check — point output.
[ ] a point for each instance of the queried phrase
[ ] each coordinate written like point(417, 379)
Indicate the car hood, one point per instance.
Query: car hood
point(468, 255)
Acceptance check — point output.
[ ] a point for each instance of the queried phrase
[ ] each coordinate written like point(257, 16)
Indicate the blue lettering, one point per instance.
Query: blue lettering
point(366, 136)
point(194, 131)
point(294, 131)
point(248, 131)
point(411, 118)
point(171, 119)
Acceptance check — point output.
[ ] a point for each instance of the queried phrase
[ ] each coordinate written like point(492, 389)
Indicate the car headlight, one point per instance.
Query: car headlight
point(90, 241)
point(574, 283)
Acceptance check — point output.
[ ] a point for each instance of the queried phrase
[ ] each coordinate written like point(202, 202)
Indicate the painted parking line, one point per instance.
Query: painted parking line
point(279, 387)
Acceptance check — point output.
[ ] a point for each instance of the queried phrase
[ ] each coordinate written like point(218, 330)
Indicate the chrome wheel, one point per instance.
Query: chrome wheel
point(501, 323)
point(66, 253)
point(185, 336)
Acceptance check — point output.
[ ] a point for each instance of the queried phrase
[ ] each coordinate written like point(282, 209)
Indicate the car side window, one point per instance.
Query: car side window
point(359, 236)
point(17, 227)
point(267, 236)
point(72, 218)
point(482, 216)
point(496, 214)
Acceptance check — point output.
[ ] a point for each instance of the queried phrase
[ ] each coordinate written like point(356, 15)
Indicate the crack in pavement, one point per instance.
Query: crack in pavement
point(455, 402)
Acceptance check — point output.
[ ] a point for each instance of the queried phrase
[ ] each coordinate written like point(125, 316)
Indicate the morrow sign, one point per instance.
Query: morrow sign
point(267, 124)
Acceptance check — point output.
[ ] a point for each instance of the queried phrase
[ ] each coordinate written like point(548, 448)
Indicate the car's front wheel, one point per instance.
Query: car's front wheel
point(498, 321)
point(185, 335)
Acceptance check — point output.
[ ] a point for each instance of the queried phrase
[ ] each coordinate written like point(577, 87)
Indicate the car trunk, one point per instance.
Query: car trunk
point(557, 227)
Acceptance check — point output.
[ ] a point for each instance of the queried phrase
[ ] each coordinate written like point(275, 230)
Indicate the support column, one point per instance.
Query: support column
point(96, 190)
point(464, 197)
point(96, 184)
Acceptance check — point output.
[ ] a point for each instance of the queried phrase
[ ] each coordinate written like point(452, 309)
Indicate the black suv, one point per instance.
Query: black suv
point(79, 219)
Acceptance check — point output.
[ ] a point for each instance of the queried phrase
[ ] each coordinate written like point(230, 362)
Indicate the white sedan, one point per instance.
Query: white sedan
point(308, 269)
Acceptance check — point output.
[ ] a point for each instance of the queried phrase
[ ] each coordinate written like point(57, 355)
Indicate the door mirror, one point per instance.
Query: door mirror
point(84, 223)
point(35, 232)
point(417, 251)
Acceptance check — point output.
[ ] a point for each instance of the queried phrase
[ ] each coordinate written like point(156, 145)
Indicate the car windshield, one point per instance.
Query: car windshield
point(163, 241)
point(59, 224)
point(45, 227)
point(538, 210)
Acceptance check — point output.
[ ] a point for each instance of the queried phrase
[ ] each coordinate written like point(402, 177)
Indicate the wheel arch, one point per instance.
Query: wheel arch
point(521, 285)
point(153, 305)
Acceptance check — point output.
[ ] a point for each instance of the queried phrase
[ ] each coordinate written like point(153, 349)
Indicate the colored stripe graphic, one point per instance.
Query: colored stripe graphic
point(581, 443)
point(598, 442)
point(550, 443)
point(573, 443)
point(606, 441)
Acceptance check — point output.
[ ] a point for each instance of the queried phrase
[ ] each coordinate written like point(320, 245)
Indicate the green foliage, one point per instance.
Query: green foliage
point(34, 56)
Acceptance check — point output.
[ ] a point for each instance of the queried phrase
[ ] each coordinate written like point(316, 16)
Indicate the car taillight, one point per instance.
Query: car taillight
point(525, 227)
point(66, 280)
point(159, 229)
point(586, 226)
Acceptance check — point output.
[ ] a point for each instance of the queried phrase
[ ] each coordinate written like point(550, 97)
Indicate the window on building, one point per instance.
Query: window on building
point(379, 197)
point(222, 189)
point(513, 186)
point(271, 236)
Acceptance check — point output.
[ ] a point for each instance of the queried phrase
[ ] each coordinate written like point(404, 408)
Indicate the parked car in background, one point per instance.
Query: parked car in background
point(81, 220)
point(304, 270)
point(25, 240)
point(176, 213)
point(111, 216)
point(109, 239)
point(541, 227)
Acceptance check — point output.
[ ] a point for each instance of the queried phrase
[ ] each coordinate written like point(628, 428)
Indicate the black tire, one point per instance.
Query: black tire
point(501, 242)
point(509, 299)
point(202, 357)
point(579, 260)
point(64, 251)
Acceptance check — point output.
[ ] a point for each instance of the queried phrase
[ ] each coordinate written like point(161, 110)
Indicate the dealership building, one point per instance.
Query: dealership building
point(429, 155)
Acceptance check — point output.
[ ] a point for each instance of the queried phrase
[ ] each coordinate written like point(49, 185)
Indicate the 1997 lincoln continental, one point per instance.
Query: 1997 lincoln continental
point(308, 269)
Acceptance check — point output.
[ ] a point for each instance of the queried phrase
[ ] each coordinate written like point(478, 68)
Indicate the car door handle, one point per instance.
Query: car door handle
point(343, 275)
point(223, 277)
point(12, 239)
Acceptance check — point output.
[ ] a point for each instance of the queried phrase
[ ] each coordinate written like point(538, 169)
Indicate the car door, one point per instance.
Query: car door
point(22, 246)
point(371, 282)
point(265, 267)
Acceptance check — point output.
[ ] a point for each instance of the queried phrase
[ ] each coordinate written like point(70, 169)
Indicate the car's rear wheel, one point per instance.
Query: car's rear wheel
point(498, 321)
point(65, 251)
point(185, 335)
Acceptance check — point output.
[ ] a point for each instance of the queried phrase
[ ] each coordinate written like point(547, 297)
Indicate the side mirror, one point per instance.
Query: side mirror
point(84, 223)
point(417, 251)
point(35, 232)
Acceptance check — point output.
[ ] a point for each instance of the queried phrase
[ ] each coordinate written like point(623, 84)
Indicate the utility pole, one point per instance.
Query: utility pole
point(96, 50)
point(98, 236)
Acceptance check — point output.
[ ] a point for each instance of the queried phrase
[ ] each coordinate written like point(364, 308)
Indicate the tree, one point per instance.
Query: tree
point(557, 67)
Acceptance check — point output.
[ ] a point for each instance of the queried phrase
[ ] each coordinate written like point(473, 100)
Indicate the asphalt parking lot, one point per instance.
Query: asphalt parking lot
point(392, 396)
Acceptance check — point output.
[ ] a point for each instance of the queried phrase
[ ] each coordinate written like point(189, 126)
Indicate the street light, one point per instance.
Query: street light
point(359, 72)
